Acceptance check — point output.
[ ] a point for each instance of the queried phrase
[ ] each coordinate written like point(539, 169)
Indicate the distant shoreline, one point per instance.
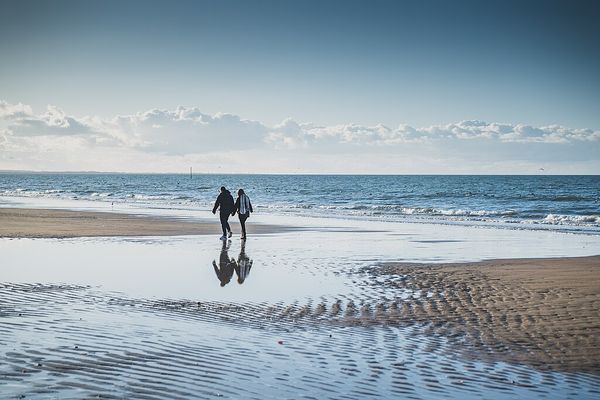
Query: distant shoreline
point(62, 223)
point(184, 173)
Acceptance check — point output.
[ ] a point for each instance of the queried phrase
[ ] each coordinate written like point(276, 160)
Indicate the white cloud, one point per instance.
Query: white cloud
point(184, 135)
point(14, 110)
point(291, 133)
point(184, 131)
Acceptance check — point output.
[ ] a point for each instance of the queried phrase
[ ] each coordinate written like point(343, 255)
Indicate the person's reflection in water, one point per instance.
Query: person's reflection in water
point(226, 265)
point(243, 265)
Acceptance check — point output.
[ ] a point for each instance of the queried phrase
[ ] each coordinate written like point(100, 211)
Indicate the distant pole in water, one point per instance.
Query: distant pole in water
point(190, 172)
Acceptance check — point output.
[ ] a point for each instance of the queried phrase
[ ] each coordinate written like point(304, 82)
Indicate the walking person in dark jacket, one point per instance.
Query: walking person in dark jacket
point(226, 208)
point(243, 207)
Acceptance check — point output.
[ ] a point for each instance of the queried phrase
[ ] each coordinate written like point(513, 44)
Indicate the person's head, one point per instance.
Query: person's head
point(223, 189)
point(240, 192)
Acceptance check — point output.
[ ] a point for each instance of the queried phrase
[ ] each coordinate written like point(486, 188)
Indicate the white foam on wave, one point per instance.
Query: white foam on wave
point(572, 219)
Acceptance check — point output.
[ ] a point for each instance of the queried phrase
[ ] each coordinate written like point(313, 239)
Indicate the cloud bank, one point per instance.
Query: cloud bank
point(167, 140)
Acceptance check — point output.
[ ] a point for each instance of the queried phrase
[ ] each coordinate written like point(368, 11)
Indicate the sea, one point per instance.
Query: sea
point(564, 203)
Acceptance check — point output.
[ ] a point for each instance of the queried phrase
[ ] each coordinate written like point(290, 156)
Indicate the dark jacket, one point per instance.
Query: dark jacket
point(225, 202)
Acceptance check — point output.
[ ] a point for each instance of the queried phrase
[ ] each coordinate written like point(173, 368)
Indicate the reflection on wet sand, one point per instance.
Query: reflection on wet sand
point(226, 267)
point(243, 265)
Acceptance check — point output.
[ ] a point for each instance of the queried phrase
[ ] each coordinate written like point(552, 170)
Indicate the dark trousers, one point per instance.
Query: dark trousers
point(224, 224)
point(243, 218)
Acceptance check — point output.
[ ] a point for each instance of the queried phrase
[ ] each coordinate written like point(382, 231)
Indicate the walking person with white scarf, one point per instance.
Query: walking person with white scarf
point(243, 207)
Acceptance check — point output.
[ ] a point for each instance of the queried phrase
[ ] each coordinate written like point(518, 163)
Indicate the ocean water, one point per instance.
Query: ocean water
point(523, 202)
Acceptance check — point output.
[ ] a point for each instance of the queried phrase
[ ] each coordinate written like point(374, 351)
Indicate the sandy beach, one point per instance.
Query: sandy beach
point(313, 318)
point(60, 223)
point(545, 312)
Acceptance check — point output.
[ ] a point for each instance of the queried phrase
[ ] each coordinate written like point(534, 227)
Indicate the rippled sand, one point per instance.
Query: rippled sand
point(543, 312)
point(407, 332)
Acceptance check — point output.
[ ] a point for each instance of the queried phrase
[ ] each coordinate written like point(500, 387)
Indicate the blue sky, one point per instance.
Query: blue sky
point(325, 63)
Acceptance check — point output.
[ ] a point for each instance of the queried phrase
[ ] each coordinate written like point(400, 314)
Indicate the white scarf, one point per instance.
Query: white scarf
point(244, 204)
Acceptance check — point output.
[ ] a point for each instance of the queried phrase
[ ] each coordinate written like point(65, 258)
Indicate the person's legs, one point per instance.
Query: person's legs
point(243, 219)
point(224, 223)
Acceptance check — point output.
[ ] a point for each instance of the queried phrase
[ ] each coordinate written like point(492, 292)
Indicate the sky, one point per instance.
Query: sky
point(300, 86)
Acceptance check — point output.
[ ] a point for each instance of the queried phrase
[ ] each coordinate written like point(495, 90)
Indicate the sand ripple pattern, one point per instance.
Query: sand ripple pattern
point(73, 342)
point(545, 316)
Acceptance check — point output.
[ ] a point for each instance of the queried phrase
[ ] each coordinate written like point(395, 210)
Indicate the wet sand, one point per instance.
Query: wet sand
point(73, 341)
point(498, 329)
point(70, 342)
point(54, 223)
point(543, 312)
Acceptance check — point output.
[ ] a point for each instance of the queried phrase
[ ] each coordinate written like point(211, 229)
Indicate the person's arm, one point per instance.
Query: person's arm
point(250, 204)
point(236, 206)
point(216, 205)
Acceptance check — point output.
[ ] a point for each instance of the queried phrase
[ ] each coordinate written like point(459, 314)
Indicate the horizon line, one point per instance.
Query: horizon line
point(7, 171)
